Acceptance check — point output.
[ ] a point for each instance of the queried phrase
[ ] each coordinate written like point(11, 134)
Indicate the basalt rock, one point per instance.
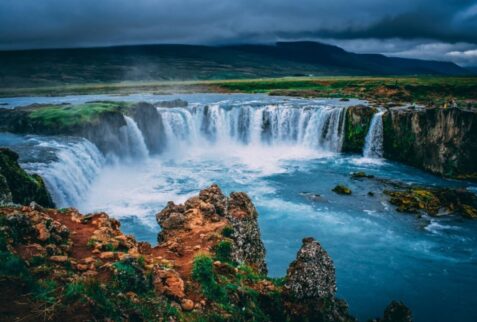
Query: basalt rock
point(310, 286)
point(442, 141)
point(396, 312)
point(246, 233)
point(357, 122)
point(18, 186)
point(342, 190)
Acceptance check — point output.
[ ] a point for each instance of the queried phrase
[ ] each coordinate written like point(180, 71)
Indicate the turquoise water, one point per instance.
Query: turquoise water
point(379, 254)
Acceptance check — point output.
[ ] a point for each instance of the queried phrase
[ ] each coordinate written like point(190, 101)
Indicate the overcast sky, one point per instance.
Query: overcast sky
point(430, 29)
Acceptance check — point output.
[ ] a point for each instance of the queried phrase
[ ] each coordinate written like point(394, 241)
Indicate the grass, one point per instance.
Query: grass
point(426, 89)
point(73, 115)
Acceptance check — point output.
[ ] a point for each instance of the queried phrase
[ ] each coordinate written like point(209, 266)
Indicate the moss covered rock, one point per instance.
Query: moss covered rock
point(358, 120)
point(342, 190)
point(18, 186)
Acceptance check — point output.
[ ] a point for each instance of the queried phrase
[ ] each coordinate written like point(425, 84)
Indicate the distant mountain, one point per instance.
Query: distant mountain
point(472, 69)
point(49, 67)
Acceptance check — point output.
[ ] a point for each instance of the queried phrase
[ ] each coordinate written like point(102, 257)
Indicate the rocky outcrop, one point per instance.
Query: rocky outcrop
point(434, 201)
point(19, 187)
point(213, 210)
point(310, 286)
point(208, 265)
point(442, 141)
point(357, 122)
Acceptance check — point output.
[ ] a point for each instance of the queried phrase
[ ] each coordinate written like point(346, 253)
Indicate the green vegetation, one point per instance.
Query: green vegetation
point(425, 90)
point(233, 289)
point(67, 116)
point(223, 251)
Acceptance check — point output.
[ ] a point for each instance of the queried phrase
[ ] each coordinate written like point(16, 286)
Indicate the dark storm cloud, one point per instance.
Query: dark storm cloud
point(67, 23)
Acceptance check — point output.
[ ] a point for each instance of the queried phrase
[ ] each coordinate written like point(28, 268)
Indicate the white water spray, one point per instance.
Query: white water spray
point(373, 147)
point(134, 140)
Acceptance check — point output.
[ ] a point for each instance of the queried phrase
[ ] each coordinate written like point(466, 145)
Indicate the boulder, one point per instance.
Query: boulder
point(342, 190)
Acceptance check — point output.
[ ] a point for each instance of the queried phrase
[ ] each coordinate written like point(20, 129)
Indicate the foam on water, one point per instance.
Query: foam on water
point(275, 150)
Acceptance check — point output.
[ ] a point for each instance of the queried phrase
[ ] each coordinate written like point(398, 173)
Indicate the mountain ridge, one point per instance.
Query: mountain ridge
point(49, 67)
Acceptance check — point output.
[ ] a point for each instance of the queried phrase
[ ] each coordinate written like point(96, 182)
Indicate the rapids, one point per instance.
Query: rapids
point(285, 153)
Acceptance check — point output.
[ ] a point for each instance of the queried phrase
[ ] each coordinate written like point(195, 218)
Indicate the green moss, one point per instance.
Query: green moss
point(69, 116)
point(24, 188)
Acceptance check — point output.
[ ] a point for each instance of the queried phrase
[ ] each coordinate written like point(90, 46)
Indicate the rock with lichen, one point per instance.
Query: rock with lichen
point(310, 286)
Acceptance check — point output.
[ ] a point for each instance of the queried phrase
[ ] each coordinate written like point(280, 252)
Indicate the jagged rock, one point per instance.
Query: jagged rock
point(59, 259)
point(310, 287)
point(214, 196)
point(361, 174)
point(342, 190)
point(43, 233)
point(246, 233)
point(168, 282)
point(312, 274)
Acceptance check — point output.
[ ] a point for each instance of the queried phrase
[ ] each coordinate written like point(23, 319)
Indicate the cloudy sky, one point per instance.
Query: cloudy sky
point(429, 29)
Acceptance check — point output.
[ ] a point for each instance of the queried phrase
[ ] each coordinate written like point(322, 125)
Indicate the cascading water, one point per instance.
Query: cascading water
point(134, 140)
point(69, 175)
point(317, 127)
point(373, 147)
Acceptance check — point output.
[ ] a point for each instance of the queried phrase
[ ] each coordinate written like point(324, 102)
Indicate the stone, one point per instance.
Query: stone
point(59, 258)
point(187, 305)
point(312, 274)
point(43, 233)
point(469, 212)
point(107, 255)
point(169, 283)
point(397, 312)
point(342, 190)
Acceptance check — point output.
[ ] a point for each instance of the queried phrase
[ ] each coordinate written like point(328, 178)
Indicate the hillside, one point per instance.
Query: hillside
point(52, 67)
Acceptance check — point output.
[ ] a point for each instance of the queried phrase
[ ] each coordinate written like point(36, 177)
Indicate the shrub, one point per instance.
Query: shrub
point(203, 272)
point(223, 251)
point(130, 276)
point(227, 231)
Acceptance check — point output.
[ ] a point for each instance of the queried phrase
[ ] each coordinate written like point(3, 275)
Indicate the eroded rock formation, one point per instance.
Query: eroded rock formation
point(442, 141)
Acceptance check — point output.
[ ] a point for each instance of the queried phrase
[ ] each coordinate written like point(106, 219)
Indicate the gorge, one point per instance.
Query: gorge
point(132, 158)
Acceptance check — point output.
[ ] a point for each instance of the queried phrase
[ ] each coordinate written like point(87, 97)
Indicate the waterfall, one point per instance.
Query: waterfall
point(317, 127)
point(133, 140)
point(373, 147)
point(69, 175)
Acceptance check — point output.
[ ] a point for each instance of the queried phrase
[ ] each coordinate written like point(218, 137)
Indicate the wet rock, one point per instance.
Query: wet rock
point(434, 201)
point(442, 141)
point(397, 312)
point(342, 190)
point(360, 175)
point(172, 103)
point(18, 186)
point(357, 122)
